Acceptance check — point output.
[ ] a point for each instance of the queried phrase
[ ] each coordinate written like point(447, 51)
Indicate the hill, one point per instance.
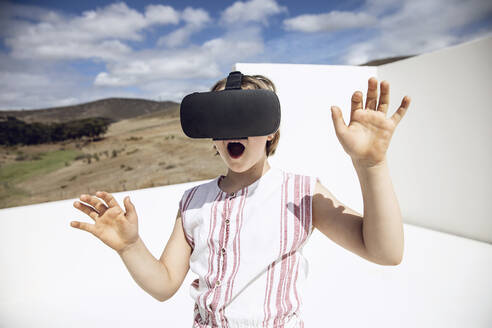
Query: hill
point(382, 61)
point(145, 147)
point(141, 152)
point(114, 108)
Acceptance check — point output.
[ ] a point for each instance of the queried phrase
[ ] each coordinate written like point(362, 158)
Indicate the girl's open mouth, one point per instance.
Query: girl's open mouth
point(235, 149)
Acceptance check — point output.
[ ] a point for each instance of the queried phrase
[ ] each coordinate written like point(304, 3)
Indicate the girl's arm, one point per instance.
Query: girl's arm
point(119, 230)
point(378, 235)
point(160, 278)
point(383, 228)
point(149, 273)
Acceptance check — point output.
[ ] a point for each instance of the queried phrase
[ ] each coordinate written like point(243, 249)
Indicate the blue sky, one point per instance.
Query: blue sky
point(55, 53)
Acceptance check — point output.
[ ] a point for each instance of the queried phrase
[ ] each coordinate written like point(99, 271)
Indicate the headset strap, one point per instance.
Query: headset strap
point(234, 80)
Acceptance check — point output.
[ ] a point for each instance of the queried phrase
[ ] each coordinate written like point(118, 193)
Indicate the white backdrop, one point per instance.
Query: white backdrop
point(308, 143)
point(57, 276)
point(442, 154)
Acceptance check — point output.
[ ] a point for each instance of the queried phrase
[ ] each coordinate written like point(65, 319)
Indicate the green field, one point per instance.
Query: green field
point(50, 161)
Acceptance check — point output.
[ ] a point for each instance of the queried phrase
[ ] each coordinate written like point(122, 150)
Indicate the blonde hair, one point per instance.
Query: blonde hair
point(254, 82)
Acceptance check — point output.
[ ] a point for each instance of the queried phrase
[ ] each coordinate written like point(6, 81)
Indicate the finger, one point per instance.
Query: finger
point(356, 103)
point(372, 93)
point(83, 226)
point(384, 97)
point(91, 212)
point(338, 122)
point(398, 115)
point(108, 198)
point(130, 210)
point(94, 202)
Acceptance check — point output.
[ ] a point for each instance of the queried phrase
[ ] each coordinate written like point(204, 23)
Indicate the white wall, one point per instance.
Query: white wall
point(441, 154)
point(308, 143)
point(53, 275)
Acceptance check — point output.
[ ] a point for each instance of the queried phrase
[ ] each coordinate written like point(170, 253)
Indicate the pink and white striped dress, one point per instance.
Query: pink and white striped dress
point(247, 250)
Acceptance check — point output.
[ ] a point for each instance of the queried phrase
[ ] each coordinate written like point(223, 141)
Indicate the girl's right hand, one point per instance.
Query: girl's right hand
point(113, 226)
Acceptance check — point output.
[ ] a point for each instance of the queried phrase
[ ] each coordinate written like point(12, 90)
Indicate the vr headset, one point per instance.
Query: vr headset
point(231, 113)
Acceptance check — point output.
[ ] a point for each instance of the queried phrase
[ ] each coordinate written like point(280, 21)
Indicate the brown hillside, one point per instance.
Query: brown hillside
point(113, 108)
point(379, 62)
point(146, 151)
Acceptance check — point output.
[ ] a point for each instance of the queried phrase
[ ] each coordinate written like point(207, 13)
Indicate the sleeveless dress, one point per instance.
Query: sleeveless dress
point(247, 250)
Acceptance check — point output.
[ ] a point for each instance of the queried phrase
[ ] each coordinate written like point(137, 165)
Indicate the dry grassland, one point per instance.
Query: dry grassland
point(136, 153)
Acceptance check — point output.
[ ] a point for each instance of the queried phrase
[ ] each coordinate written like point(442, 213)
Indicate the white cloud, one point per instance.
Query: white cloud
point(32, 75)
point(105, 79)
point(195, 62)
point(94, 34)
point(419, 26)
point(175, 90)
point(232, 50)
point(332, 21)
point(251, 11)
point(195, 17)
point(175, 38)
point(195, 20)
point(51, 36)
point(159, 14)
point(66, 101)
point(28, 89)
point(394, 28)
point(381, 7)
point(31, 87)
point(109, 50)
point(154, 65)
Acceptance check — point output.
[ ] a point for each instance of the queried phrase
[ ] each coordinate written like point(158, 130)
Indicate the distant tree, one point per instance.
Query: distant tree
point(14, 131)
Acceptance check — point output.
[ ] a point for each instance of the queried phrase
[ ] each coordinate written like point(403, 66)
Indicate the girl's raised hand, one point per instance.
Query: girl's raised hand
point(113, 226)
point(366, 139)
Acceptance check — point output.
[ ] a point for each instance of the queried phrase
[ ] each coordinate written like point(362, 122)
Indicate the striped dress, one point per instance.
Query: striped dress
point(247, 250)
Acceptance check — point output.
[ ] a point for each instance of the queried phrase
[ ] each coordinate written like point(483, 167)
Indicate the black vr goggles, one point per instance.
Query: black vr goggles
point(231, 113)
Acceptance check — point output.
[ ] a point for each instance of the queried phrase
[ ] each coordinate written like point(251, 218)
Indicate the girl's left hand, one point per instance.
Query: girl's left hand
point(366, 139)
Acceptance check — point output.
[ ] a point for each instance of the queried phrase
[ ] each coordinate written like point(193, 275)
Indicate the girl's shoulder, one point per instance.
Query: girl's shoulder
point(291, 173)
point(302, 180)
point(199, 191)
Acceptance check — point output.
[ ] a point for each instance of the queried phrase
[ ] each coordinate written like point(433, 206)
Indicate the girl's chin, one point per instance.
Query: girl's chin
point(243, 166)
point(238, 167)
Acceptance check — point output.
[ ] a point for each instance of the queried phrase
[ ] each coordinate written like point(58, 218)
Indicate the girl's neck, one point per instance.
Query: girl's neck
point(234, 181)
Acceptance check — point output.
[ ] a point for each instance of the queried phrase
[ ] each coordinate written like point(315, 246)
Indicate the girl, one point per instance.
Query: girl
point(243, 233)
